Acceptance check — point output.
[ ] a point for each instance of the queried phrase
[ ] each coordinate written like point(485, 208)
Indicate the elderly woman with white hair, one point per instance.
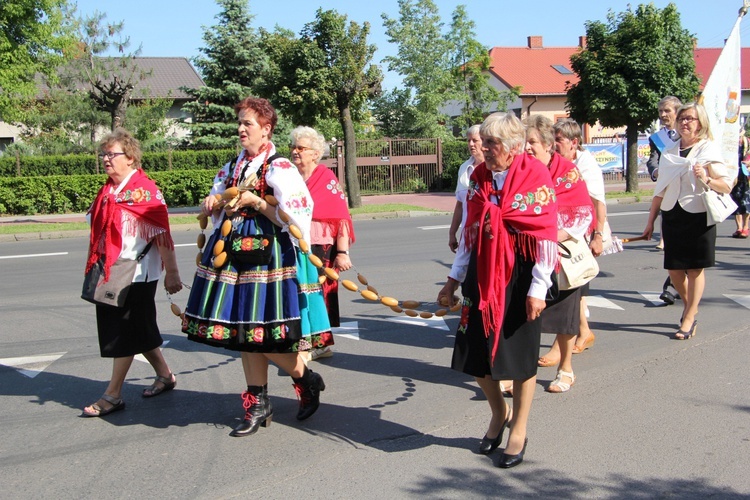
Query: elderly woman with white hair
point(511, 238)
point(331, 232)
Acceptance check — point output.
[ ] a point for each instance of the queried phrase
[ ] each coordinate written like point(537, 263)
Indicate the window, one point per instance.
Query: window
point(562, 69)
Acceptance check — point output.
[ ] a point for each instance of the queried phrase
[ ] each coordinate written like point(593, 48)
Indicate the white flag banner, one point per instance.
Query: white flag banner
point(722, 96)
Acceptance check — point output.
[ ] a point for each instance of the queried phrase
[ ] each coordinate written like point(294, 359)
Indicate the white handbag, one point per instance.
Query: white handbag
point(577, 264)
point(718, 206)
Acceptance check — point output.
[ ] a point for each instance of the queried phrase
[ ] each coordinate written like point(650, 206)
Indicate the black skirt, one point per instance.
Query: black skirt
point(688, 242)
point(563, 314)
point(517, 354)
point(132, 329)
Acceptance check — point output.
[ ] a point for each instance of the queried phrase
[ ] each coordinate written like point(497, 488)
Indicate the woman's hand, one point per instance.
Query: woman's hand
point(700, 172)
point(648, 232)
point(534, 308)
point(445, 296)
point(342, 262)
point(207, 207)
point(172, 281)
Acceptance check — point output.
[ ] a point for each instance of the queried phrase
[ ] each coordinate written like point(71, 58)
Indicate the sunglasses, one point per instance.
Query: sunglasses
point(298, 149)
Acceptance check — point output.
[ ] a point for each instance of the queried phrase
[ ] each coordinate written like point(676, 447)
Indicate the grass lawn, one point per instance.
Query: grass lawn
point(38, 227)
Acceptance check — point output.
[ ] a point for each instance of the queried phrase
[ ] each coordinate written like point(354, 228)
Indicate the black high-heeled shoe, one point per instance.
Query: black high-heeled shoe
point(680, 335)
point(508, 461)
point(489, 445)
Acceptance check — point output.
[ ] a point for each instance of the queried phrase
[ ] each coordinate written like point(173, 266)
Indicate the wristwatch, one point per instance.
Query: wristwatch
point(345, 252)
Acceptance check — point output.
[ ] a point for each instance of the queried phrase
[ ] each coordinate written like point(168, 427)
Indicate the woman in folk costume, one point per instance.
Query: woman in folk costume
point(511, 234)
point(129, 218)
point(331, 231)
point(269, 311)
point(693, 164)
point(575, 219)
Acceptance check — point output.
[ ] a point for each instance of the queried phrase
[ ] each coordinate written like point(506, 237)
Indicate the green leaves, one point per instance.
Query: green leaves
point(630, 63)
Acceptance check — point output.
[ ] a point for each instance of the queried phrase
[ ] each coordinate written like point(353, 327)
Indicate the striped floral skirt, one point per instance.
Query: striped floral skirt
point(274, 308)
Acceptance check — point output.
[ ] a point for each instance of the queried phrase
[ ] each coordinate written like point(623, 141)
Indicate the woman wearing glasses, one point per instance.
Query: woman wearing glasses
point(265, 300)
point(694, 163)
point(331, 232)
point(129, 219)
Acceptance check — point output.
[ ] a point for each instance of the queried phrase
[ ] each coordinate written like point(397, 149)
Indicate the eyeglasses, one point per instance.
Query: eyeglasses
point(298, 149)
point(686, 119)
point(110, 156)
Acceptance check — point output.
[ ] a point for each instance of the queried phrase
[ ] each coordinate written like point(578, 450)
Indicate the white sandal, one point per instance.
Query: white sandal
point(559, 384)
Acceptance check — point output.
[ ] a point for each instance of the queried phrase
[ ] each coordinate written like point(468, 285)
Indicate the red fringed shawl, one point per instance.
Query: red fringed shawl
point(145, 216)
point(573, 200)
point(329, 202)
point(526, 216)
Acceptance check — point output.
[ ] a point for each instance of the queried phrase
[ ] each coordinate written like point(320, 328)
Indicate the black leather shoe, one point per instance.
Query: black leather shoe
point(508, 461)
point(488, 445)
point(258, 412)
point(667, 297)
point(308, 390)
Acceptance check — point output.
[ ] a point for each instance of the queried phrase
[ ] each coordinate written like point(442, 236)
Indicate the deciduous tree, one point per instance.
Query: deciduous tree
point(35, 37)
point(630, 63)
point(326, 72)
point(424, 62)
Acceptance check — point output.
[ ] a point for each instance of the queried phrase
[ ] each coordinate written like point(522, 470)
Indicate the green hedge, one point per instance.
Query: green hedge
point(56, 194)
point(86, 164)
point(455, 152)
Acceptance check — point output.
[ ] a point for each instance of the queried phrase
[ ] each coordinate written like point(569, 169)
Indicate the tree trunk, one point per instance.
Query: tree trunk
point(118, 111)
point(350, 155)
point(631, 159)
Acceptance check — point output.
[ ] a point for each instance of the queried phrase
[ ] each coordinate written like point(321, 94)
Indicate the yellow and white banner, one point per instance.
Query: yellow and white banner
point(722, 96)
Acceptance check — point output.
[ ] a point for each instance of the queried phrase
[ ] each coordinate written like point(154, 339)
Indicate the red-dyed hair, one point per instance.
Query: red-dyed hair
point(264, 112)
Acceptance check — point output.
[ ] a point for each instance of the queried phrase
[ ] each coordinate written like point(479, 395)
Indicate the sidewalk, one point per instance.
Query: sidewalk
point(443, 202)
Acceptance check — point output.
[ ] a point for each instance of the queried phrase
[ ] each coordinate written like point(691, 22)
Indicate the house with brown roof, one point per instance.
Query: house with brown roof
point(542, 73)
point(165, 76)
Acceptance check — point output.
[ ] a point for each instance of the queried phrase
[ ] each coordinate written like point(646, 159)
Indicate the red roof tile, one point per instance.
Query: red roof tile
point(705, 60)
point(532, 69)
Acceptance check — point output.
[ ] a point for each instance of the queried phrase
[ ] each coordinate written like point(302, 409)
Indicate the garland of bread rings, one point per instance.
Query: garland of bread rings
point(230, 197)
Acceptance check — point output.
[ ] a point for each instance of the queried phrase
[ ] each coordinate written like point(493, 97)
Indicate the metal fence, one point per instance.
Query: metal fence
point(393, 165)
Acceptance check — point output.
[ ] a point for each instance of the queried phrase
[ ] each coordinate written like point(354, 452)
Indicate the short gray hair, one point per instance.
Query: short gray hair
point(473, 130)
point(570, 129)
point(543, 127)
point(505, 128)
point(671, 100)
point(317, 141)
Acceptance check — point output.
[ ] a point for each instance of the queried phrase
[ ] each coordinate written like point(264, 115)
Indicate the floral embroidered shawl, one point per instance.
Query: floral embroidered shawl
point(525, 218)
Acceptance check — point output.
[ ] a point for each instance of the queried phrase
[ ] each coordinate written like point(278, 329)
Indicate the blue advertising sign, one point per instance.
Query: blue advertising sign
point(611, 156)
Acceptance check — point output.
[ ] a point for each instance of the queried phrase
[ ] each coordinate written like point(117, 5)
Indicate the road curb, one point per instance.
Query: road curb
point(54, 235)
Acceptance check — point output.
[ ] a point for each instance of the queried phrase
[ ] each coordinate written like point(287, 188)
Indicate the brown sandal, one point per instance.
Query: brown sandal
point(99, 411)
point(155, 390)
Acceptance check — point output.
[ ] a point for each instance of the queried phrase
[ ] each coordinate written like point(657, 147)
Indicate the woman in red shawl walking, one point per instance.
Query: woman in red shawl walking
point(331, 232)
point(575, 219)
point(129, 216)
point(511, 234)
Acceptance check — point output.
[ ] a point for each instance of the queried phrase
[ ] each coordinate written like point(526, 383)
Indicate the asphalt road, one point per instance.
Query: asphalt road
point(649, 417)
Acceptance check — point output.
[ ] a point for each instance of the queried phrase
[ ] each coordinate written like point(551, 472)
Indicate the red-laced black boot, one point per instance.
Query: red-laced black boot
point(258, 411)
point(308, 389)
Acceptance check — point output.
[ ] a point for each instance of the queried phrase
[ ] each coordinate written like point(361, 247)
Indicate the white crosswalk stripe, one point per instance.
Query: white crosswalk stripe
point(348, 329)
point(743, 300)
point(31, 366)
point(599, 301)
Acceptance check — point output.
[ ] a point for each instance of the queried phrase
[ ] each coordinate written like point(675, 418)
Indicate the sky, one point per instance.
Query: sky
point(171, 28)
